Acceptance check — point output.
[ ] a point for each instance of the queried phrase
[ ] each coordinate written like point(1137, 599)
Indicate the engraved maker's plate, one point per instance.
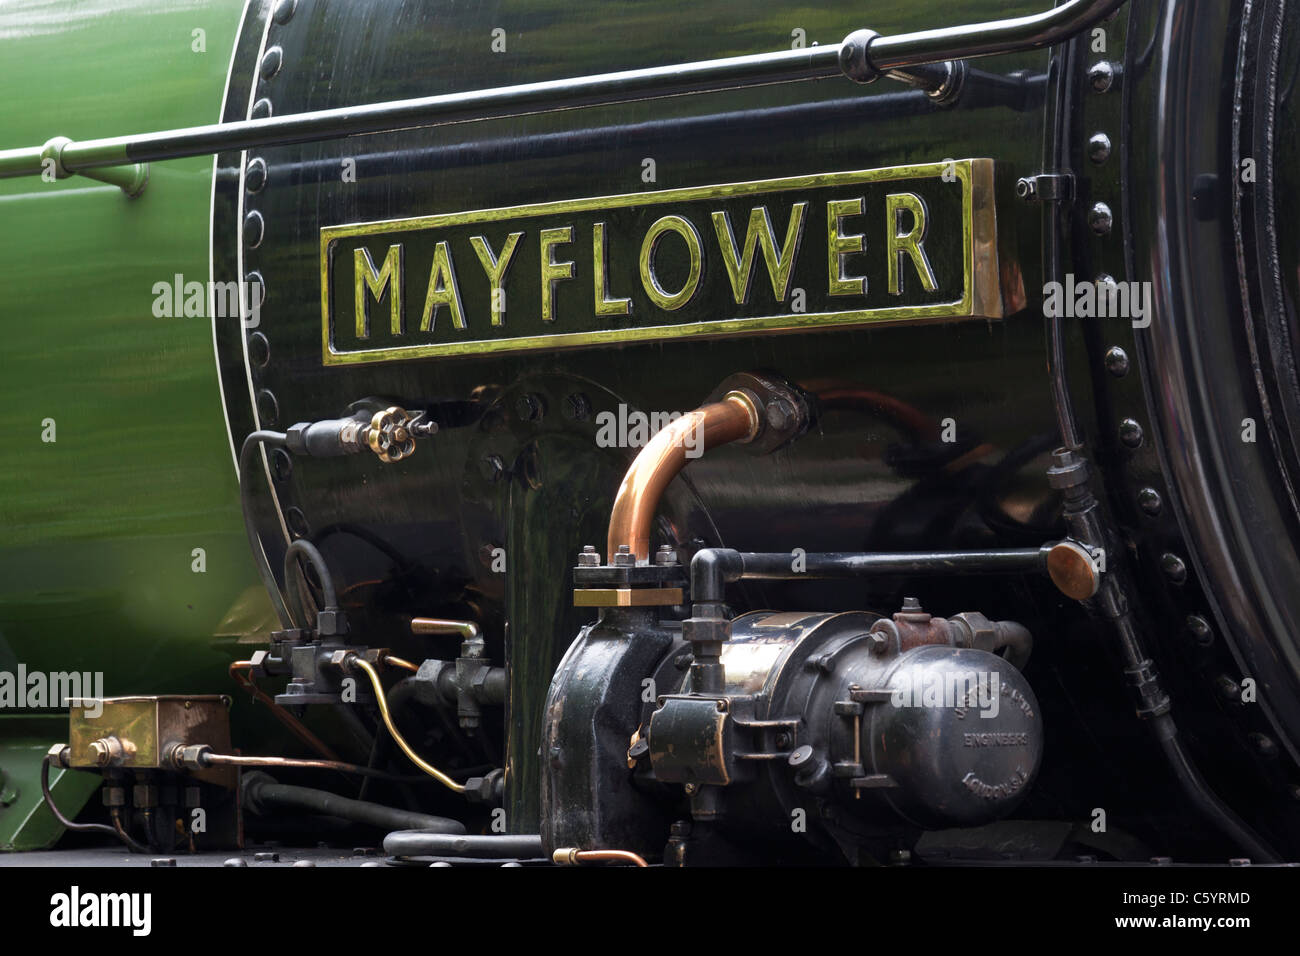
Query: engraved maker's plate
point(869, 247)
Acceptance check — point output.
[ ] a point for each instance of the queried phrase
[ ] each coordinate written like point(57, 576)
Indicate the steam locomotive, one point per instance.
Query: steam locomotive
point(710, 434)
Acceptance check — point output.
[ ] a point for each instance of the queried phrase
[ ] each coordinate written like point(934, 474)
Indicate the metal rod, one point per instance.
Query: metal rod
point(863, 55)
point(713, 568)
point(208, 759)
point(988, 39)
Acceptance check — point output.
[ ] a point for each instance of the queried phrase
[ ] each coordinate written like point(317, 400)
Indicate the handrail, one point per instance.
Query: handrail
point(863, 56)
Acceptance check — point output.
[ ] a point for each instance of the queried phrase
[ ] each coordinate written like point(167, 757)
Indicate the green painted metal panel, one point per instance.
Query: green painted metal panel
point(98, 527)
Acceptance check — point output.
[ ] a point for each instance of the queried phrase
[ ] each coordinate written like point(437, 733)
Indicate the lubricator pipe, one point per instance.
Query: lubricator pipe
point(260, 792)
point(441, 843)
point(863, 56)
point(737, 418)
point(713, 568)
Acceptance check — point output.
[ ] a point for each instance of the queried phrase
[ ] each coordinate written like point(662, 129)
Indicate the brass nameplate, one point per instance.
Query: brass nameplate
point(871, 247)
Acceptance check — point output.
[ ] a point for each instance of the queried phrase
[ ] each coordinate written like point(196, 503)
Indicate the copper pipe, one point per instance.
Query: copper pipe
point(245, 680)
point(382, 700)
point(572, 856)
point(735, 418)
point(239, 760)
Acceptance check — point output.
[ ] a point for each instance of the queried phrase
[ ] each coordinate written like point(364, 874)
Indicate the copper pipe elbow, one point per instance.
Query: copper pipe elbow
point(735, 418)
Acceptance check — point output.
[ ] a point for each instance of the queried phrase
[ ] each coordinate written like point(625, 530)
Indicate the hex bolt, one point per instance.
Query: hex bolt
point(624, 558)
point(492, 467)
point(781, 414)
point(665, 555)
point(1026, 189)
point(577, 407)
point(266, 857)
point(879, 643)
point(589, 558)
point(1101, 219)
point(530, 407)
point(163, 861)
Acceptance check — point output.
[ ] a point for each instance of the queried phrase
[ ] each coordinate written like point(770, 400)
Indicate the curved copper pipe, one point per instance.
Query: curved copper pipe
point(572, 856)
point(405, 665)
point(735, 418)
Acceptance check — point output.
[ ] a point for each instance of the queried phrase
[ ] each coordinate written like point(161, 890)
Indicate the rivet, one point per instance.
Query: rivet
point(1229, 689)
point(1117, 361)
point(254, 229)
point(1099, 148)
point(1200, 629)
point(255, 174)
point(283, 12)
point(281, 464)
point(1101, 76)
point(1264, 745)
point(298, 527)
point(268, 409)
point(259, 350)
point(1130, 433)
point(1173, 567)
point(1149, 501)
point(1100, 219)
point(261, 109)
point(271, 62)
point(256, 289)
